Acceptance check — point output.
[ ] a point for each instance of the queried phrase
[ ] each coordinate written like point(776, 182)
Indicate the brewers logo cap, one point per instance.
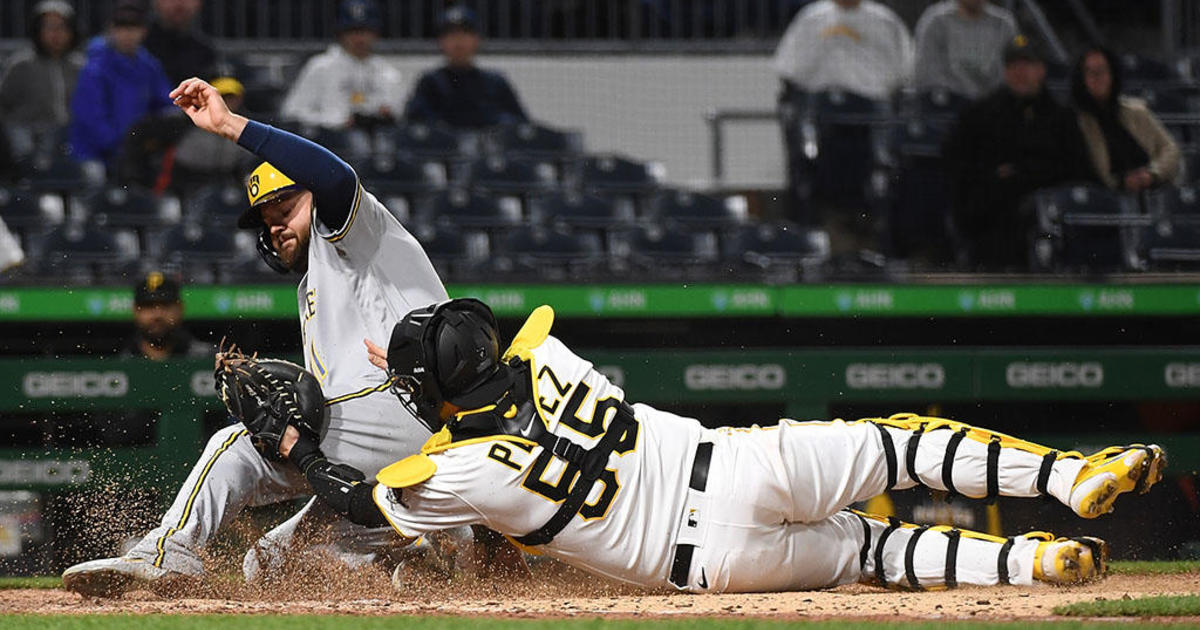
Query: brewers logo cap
point(265, 184)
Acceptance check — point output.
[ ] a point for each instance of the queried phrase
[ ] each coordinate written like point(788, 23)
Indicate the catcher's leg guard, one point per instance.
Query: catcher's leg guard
point(1112, 472)
point(961, 459)
point(904, 556)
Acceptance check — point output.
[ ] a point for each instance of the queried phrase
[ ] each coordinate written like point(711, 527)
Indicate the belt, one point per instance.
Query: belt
point(681, 565)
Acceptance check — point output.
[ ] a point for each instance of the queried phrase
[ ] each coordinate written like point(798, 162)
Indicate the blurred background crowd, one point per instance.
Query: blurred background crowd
point(906, 136)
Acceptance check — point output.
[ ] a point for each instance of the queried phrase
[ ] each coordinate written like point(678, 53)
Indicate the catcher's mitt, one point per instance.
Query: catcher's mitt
point(268, 395)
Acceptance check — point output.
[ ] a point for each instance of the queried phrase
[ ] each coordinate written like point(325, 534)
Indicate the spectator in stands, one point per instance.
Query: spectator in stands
point(1129, 148)
point(158, 319)
point(1005, 146)
point(461, 94)
point(859, 46)
point(35, 90)
point(959, 43)
point(347, 85)
point(174, 39)
point(202, 157)
point(120, 83)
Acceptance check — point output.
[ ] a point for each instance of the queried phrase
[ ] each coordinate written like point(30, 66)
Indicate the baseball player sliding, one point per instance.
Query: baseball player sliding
point(362, 271)
point(536, 444)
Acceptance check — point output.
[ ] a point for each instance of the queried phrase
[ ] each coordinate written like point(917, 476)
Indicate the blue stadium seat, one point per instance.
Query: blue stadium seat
point(58, 172)
point(849, 137)
point(24, 209)
point(549, 254)
point(352, 145)
point(609, 174)
point(127, 207)
point(779, 247)
point(580, 210)
point(216, 204)
point(399, 175)
point(456, 253)
point(1171, 246)
point(1085, 228)
point(535, 141)
point(420, 140)
point(199, 254)
point(78, 253)
point(467, 210)
point(1137, 69)
point(667, 251)
point(919, 201)
point(697, 211)
point(513, 176)
point(941, 104)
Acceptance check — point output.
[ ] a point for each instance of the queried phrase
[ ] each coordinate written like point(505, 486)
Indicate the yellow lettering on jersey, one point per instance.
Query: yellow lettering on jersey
point(317, 364)
point(310, 304)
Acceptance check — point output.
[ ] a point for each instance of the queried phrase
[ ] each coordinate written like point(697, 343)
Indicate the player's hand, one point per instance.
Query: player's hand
point(207, 108)
point(377, 355)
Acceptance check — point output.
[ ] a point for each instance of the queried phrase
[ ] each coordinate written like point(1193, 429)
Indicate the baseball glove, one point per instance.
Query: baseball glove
point(267, 396)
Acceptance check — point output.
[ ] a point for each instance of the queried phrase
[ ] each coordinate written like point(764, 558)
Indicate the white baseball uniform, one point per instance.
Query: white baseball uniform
point(770, 515)
point(362, 277)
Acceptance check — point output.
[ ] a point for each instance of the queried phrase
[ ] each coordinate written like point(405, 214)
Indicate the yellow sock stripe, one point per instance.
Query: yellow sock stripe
point(187, 510)
point(359, 394)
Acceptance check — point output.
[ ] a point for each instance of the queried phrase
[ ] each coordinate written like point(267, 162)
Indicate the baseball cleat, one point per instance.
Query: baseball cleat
point(1070, 560)
point(111, 577)
point(1115, 471)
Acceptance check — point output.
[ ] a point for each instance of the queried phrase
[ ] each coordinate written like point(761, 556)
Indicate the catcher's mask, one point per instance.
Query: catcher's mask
point(446, 353)
point(265, 185)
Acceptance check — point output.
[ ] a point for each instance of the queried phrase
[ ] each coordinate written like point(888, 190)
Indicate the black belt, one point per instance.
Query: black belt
point(682, 564)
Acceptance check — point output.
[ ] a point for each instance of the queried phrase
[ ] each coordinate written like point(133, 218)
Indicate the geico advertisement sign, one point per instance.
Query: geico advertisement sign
point(75, 384)
point(895, 376)
point(745, 377)
point(1182, 375)
point(1064, 374)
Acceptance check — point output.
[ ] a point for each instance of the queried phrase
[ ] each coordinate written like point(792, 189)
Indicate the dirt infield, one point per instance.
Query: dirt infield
point(571, 594)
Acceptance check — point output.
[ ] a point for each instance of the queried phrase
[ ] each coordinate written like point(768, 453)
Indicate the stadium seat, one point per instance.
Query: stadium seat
point(216, 204)
point(580, 210)
point(58, 172)
point(398, 175)
point(513, 176)
point(1085, 228)
point(549, 254)
point(24, 209)
point(468, 210)
point(667, 251)
point(79, 253)
point(610, 174)
point(1171, 246)
point(534, 141)
point(1169, 99)
point(919, 202)
point(456, 253)
point(781, 248)
point(197, 253)
point(697, 211)
point(421, 141)
point(849, 138)
point(1137, 69)
point(941, 104)
point(128, 207)
point(352, 145)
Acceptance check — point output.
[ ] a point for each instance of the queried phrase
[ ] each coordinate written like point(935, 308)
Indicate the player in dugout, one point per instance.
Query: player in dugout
point(538, 445)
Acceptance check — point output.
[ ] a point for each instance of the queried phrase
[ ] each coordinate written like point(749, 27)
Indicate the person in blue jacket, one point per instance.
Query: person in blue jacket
point(460, 94)
point(120, 83)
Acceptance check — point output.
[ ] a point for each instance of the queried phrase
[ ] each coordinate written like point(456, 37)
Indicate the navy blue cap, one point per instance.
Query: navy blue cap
point(458, 18)
point(354, 14)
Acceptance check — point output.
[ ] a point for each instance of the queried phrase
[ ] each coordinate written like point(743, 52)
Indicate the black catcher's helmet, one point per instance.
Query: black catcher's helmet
point(446, 353)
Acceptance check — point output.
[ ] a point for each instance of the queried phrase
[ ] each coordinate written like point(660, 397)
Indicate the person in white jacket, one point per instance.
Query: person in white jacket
point(858, 46)
point(347, 85)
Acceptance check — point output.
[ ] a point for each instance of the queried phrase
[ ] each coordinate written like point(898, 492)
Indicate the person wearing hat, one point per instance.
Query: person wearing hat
point(158, 320)
point(120, 83)
point(35, 90)
point(357, 268)
point(461, 94)
point(174, 39)
point(201, 157)
point(348, 84)
point(1004, 147)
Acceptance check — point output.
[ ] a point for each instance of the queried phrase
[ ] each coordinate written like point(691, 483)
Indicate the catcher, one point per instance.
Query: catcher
point(536, 444)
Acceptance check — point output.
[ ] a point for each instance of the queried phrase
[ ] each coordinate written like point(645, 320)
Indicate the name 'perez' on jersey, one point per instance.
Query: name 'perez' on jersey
point(627, 526)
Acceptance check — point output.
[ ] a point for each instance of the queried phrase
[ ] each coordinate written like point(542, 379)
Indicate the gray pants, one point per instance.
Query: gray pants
point(230, 476)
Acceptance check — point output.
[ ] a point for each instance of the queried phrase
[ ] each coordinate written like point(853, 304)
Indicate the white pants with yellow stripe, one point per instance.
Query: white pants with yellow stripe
point(778, 496)
point(231, 476)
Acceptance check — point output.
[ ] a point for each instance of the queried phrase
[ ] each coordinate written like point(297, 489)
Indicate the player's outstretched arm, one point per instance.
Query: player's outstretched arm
point(330, 179)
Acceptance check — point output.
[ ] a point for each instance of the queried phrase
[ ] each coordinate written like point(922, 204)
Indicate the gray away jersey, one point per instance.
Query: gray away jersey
point(363, 278)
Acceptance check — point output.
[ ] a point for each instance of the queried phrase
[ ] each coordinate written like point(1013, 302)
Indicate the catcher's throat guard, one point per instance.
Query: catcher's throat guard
point(268, 396)
point(445, 353)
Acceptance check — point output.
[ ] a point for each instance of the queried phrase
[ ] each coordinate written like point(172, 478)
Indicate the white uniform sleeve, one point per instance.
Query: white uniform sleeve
point(421, 509)
point(358, 239)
